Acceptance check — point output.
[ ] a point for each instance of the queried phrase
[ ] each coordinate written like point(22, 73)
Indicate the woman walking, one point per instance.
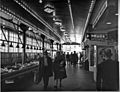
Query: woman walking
point(59, 69)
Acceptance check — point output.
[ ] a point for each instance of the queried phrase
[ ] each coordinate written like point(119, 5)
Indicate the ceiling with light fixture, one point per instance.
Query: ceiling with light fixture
point(69, 24)
point(79, 12)
point(109, 18)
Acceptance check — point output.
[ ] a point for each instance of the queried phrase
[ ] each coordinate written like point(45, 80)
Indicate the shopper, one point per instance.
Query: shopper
point(81, 55)
point(68, 58)
point(59, 69)
point(75, 58)
point(45, 68)
point(86, 64)
point(71, 58)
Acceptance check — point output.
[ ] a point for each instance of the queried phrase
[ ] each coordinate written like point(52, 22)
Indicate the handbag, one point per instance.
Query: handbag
point(38, 74)
point(37, 77)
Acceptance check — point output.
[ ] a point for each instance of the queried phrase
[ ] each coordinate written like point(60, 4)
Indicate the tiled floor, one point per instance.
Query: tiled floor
point(77, 80)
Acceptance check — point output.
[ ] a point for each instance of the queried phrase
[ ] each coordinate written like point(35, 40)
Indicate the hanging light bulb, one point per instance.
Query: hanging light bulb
point(27, 47)
point(17, 45)
point(3, 44)
point(40, 1)
point(34, 48)
point(39, 48)
point(49, 8)
point(11, 45)
point(31, 47)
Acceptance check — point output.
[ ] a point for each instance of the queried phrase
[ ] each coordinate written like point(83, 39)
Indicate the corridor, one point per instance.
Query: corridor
point(77, 80)
point(35, 33)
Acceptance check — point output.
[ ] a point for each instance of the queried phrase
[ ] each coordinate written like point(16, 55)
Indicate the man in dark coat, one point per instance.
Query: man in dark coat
point(45, 68)
point(68, 57)
point(75, 58)
point(107, 73)
point(71, 58)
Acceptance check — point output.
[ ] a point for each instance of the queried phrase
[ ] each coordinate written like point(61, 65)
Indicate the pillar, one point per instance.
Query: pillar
point(51, 41)
point(43, 40)
point(24, 28)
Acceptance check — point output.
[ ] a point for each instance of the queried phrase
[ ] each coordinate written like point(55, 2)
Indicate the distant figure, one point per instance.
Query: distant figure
point(59, 69)
point(64, 55)
point(68, 58)
point(71, 58)
point(107, 72)
point(45, 68)
point(81, 55)
point(75, 58)
point(86, 64)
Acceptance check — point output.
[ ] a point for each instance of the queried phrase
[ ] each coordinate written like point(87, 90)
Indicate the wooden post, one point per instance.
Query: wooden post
point(24, 28)
point(52, 46)
point(43, 39)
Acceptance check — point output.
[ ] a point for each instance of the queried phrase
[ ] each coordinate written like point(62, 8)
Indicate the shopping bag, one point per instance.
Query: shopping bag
point(37, 77)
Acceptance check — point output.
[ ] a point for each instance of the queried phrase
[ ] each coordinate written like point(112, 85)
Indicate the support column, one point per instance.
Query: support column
point(57, 46)
point(60, 47)
point(24, 28)
point(51, 41)
point(43, 40)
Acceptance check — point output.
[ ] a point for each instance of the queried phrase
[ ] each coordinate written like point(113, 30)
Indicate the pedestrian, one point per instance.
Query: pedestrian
point(81, 55)
point(71, 58)
point(75, 58)
point(86, 64)
point(59, 69)
point(68, 58)
point(45, 68)
point(107, 73)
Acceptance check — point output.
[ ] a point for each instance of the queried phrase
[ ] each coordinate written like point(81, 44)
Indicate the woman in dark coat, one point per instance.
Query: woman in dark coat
point(59, 69)
point(45, 68)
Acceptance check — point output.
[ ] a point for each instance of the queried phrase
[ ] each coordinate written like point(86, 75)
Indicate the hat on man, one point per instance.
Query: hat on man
point(108, 53)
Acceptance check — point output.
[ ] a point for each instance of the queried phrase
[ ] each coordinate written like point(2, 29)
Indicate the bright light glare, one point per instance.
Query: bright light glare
point(72, 48)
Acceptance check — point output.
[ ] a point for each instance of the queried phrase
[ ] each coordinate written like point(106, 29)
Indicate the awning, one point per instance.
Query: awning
point(66, 43)
point(73, 43)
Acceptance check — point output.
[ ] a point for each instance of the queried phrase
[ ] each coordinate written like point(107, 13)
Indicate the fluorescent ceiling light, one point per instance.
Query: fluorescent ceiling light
point(65, 34)
point(58, 23)
point(116, 14)
point(40, 1)
point(62, 28)
point(29, 28)
point(53, 19)
point(49, 8)
point(108, 23)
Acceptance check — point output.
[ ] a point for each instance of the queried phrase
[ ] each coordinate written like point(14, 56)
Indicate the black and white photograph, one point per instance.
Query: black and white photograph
point(59, 45)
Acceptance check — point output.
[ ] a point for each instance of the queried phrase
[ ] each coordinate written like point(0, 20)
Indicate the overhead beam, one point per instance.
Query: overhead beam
point(88, 17)
point(71, 18)
point(34, 14)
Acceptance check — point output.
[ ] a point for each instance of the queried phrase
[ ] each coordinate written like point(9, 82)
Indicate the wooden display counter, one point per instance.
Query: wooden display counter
point(19, 72)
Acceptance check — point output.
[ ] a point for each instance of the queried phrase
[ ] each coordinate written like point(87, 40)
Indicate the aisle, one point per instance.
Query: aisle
point(77, 80)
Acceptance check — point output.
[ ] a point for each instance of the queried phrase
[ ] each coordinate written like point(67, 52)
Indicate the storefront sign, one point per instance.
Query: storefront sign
point(96, 36)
